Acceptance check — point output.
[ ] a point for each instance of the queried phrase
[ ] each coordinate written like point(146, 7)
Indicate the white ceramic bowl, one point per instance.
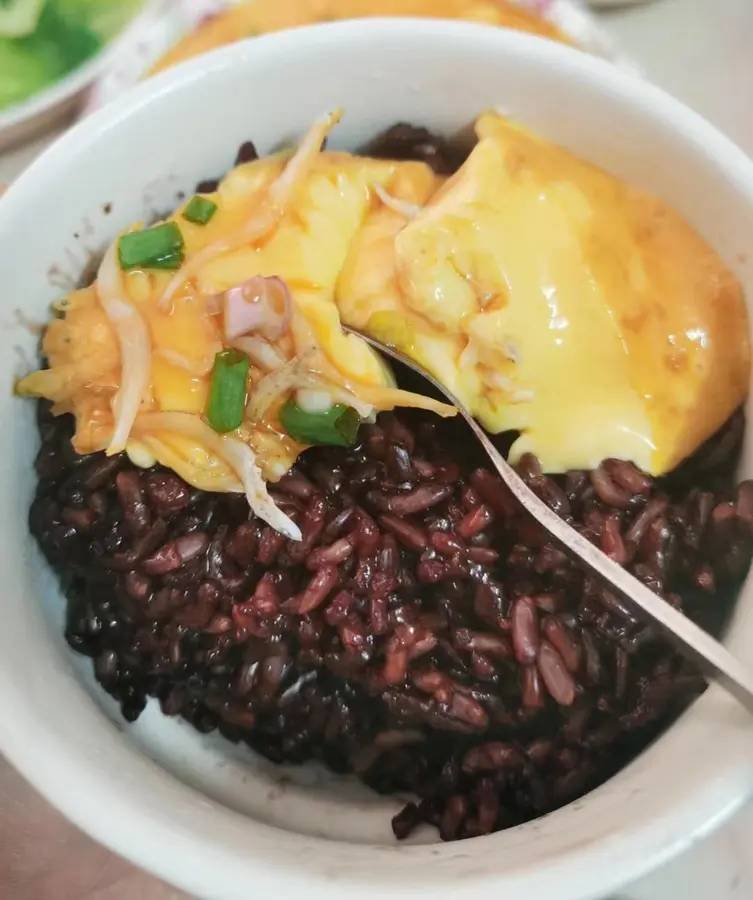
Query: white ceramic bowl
point(203, 814)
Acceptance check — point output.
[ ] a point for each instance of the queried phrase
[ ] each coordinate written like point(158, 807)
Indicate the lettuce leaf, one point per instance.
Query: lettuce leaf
point(67, 34)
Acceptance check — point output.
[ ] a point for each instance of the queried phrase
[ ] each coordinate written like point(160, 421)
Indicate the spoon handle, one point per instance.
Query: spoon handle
point(692, 642)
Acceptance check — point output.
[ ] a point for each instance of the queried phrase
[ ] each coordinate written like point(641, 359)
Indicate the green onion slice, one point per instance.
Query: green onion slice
point(161, 247)
point(337, 426)
point(227, 394)
point(199, 210)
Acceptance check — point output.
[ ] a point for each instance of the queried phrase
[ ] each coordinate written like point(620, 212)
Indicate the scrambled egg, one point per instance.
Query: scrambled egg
point(551, 298)
point(307, 249)
point(555, 300)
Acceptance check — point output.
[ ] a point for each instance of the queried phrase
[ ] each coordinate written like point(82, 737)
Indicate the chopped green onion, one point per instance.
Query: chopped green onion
point(199, 210)
point(160, 247)
point(337, 426)
point(227, 394)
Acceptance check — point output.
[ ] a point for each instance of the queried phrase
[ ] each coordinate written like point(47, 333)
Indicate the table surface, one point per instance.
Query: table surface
point(699, 50)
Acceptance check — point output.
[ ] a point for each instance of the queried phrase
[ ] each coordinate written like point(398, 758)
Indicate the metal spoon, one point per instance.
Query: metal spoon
point(694, 643)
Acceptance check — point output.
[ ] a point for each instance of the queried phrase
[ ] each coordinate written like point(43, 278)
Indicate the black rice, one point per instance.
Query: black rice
point(494, 687)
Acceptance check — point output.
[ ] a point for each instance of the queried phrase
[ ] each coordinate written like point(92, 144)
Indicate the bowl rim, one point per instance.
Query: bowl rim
point(589, 33)
point(214, 851)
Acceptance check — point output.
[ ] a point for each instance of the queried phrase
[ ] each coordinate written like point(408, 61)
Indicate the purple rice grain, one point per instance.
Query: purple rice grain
point(525, 630)
point(246, 153)
point(559, 682)
point(404, 141)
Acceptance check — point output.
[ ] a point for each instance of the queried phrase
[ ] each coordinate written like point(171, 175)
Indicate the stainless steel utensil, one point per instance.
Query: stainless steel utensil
point(694, 643)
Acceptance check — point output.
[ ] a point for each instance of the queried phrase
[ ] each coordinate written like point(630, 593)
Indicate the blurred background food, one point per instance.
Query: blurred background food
point(255, 17)
point(41, 41)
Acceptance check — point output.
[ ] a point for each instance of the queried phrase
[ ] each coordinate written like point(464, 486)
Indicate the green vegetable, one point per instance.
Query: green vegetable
point(19, 17)
point(337, 427)
point(23, 73)
point(227, 394)
point(105, 18)
point(199, 210)
point(160, 247)
point(41, 41)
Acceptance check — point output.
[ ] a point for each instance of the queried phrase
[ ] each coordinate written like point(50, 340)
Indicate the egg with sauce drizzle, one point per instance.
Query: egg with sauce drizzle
point(554, 299)
point(557, 301)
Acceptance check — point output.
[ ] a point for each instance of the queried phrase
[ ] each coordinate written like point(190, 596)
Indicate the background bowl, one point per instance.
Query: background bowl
point(50, 106)
point(204, 814)
point(177, 18)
